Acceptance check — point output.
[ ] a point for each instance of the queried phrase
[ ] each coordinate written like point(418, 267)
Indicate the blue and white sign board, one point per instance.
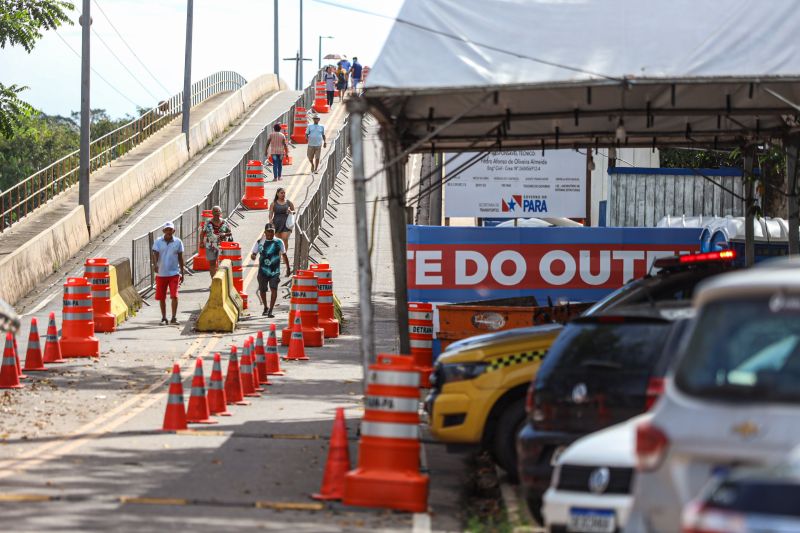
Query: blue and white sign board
point(521, 184)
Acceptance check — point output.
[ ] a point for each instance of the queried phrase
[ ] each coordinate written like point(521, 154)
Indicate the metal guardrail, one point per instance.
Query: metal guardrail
point(226, 192)
point(22, 199)
point(311, 213)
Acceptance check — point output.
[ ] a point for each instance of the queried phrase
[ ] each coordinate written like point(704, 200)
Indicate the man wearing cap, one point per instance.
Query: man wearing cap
point(269, 250)
point(315, 135)
point(168, 260)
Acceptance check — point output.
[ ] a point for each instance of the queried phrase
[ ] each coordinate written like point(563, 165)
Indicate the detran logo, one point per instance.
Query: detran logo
point(524, 204)
point(511, 205)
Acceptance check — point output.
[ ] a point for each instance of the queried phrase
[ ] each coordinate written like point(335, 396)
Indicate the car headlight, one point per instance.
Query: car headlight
point(462, 371)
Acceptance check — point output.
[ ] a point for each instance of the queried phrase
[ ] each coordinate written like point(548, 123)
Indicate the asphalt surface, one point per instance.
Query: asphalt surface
point(81, 444)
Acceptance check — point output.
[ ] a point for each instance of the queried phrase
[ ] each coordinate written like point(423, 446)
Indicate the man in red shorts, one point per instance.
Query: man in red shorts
point(168, 260)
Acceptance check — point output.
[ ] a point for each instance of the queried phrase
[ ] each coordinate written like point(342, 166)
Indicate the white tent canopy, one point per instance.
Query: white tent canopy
point(530, 73)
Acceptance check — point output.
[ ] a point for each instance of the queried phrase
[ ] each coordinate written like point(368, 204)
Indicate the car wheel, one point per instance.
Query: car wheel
point(504, 445)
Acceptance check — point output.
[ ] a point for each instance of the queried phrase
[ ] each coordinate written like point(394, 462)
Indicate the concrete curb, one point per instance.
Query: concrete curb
point(519, 517)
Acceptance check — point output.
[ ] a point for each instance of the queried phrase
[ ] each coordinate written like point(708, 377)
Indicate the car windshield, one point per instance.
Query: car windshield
point(744, 350)
point(630, 344)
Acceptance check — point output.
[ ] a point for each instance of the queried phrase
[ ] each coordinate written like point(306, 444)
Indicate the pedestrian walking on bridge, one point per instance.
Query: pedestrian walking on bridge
point(341, 81)
point(279, 214)
point(215, 231)
point(315, 133)
point(355, 74)
point(269, 251)
point(330, 84)
point(277, 148)
point(169, 265)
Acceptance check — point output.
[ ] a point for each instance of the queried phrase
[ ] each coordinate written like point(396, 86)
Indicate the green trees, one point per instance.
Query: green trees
point(22, 23)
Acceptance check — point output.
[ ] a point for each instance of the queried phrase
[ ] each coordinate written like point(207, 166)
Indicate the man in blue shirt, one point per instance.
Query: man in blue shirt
point(168, 260)
point(355, 74)
point(315, 134)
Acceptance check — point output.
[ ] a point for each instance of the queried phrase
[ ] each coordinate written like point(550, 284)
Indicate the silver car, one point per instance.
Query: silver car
point(733, 398)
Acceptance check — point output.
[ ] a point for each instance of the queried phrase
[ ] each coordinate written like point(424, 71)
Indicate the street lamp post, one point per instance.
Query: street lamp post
point(320, 48)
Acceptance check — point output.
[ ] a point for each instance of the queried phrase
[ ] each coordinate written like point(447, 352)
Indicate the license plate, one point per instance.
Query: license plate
point(591, 521)
point(556, 454)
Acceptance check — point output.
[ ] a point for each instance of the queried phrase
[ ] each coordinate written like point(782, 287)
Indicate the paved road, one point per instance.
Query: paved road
point(85, 436)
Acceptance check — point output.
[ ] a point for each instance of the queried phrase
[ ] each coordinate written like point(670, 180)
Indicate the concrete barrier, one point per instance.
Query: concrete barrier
point(219, 312)
point(44, 254)
point(130, 298)
point(233, 294)
point(118, 307)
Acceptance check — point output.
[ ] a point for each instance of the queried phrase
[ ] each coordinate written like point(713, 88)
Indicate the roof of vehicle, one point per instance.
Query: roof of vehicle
point(508, 335)
point(750, 282)
point(612, 446)
point(664, 310)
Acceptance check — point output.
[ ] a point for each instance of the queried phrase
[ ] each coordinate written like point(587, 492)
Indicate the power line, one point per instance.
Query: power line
point(97, 73)
point(468, 41)
point(122, 64)
point(166, 91)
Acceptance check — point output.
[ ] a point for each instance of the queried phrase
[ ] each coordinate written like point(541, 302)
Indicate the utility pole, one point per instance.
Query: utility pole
point(187, 71)
point(276, 62)
point(86, 115)
point(792, 146)
point(357, 108)
point(300, 55)
point(319, 51)
point(435, 213)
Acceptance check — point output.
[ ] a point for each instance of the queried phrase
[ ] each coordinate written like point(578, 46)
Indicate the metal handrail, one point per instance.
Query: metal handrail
point(21, 199)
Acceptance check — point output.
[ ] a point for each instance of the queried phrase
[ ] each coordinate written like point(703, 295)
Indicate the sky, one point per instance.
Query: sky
point(227, 35)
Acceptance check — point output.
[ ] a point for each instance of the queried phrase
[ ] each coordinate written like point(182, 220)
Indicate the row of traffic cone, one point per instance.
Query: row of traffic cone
point(242, 380)
point(11, 371)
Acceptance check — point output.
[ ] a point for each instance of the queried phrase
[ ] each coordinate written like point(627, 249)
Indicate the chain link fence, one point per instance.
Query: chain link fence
point(226, 192)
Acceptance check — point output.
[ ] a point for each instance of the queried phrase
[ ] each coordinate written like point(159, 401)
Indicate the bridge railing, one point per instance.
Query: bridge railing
point(311, 213)
point(22, 199)
point(226, 192)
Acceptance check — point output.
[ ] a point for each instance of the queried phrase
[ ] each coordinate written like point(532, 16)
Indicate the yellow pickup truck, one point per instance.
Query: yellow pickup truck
point(478, 390)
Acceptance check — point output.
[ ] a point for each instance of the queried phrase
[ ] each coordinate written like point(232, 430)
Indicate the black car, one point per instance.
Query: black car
point(601, 370)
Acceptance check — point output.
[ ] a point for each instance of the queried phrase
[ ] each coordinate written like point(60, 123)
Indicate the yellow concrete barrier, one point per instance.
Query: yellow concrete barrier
point(131, 298)
point(118, 306)
point(233, 294)
point(219, 313)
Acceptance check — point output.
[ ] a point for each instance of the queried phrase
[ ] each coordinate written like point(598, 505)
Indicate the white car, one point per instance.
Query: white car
point(591, 487)
point(733, 398)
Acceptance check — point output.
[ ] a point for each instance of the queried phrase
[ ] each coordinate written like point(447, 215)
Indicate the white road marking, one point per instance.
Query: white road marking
point(180, 182)
point(421, 523)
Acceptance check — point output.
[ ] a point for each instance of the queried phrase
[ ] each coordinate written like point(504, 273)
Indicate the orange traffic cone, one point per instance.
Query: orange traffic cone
point(9, 379)
point(52, 346)
point(33, 357)
point(216, 390)
point(254, 364)
point(233, 381)
point(338, 463)
point(175, 415)
point(246, 370)
point(197, 412)
point(297, 349)
point(273, 361)
point(16, 358)
point(261, 360)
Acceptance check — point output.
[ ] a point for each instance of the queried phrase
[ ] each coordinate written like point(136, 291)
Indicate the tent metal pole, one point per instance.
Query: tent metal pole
point(792, 145)
point(395, 181)
point(749, 231)
point(435, 215)
point(357, 108)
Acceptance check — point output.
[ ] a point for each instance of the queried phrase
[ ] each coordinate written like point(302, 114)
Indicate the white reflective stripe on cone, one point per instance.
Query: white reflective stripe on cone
point(95, 269)
point(416, 315)
point(391, 377)
point(421, 344)
point(84, 289)
point(392, 404)
point(78, 316)
point(305, 282)
point(101, 294)
point(304, 294)
point(389, 430)
point(306, 307)
point(325, 299)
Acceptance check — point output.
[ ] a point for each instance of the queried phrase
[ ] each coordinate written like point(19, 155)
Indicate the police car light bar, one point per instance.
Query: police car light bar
point(706, 257)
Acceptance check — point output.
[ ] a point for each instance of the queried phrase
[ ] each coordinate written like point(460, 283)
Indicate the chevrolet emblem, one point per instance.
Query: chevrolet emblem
point(745, 429)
